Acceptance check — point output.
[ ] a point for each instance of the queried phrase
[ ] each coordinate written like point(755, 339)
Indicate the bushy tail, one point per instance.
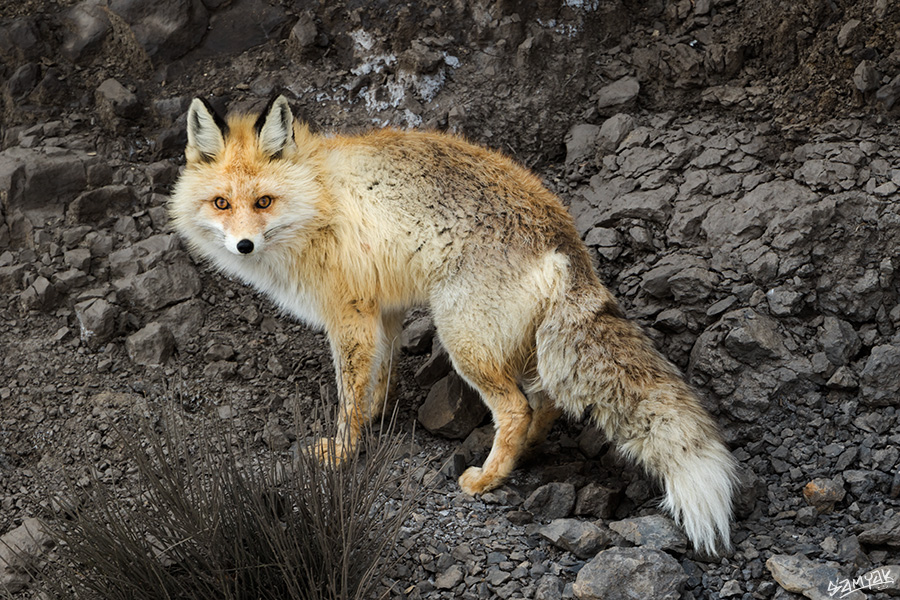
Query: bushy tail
point(589, 357)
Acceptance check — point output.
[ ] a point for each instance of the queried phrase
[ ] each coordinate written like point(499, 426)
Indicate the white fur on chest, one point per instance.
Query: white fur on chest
point(271, 279)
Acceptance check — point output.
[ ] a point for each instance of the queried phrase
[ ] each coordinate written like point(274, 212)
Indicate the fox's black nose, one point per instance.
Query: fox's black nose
point(245, 246)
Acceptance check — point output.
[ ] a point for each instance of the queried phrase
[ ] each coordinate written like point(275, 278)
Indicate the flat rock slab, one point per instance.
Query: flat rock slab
point(630, 573)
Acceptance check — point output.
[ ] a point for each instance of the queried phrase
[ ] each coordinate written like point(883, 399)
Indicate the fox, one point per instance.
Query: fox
point(348, 232)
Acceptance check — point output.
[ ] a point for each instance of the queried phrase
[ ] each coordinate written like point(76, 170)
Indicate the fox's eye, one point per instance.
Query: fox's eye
point(221, 203)
point(264, 202)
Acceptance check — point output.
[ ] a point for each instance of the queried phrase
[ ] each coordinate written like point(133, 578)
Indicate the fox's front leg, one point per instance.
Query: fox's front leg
point(353, 340)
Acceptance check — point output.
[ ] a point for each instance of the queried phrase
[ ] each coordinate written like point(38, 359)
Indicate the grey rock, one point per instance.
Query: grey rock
point(651, 205)
point(839, 339)
point(35, 179)
point(85, 26)
point(274, 436)
point(657, 281)
point(580, 142)
point(96, 321)
point(866, 77)
point(450, 578)
point(150, 346)
point(452, 408)
point(879, 379)
point(822, 173)
point(618, 93)
point(417, 336)
point(597, 501)
point(95, 205)
point(240, 26)
point(784, 302)
point(40, 295)
point(796, 573)
point(752, 338)
point(20, 552)
point(656, 532)
point(549, 587)
point(613, 131)
point(303, 33)
point(11, 278)
point(849, 33)
point(185, 319)
point(78, 258)
point(115, 100)
point(889, 93)
point(628, 573)
point(435, 367)
point(843, 378)
point(553, 500)
point(885, 533)
point(161, 286)
point(581, 538)
point(166, 29)
point(692, 284)
point(23, 80)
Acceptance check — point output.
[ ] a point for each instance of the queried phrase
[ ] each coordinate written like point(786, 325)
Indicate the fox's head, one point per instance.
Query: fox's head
point(244, 187)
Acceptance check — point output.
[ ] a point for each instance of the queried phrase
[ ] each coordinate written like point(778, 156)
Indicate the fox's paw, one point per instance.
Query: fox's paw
point(475, 481)
point(330, 451)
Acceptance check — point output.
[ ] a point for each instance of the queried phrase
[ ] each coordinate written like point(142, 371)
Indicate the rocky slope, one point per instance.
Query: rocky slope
point(733, 166)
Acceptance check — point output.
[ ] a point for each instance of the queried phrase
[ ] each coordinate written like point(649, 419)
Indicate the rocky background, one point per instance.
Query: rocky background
point(733, 165)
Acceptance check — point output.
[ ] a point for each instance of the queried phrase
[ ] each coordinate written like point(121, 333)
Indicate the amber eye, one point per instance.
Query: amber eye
point(221, 203)
point(264, 202)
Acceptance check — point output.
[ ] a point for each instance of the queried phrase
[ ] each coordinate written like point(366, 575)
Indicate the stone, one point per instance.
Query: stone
point(417, 336)
point(821, 173)
point(628, 573)
point(650, 205)
point(452, 408)
point(161, 286)
point(185, 319)
point(849, 33)
point(435, 367)
point(78, 258)
point(23, 80)
point(549, 587)
point(40, 295)
point(618, 93)
point(450, 578)
point(656, 532)
point(85, 26)
point(96, 321)
point(752, 338)
point(11, 278)
point(879, 379)
point(823, 494)
point(796, 573)
point(115, 100)
point(885, 533)
point(866, 77)
point(613, 131)
point(165, 29)
point(96, 205)
point(20, 552)
point(35, 179)
point(889, 93)
point(240, 26)
point(151, 346)
point(580, 142)
point(274, 436)
point(597, 501)
point(839, 339)
point(553, 500)
point(581, 538)
point(303, 33)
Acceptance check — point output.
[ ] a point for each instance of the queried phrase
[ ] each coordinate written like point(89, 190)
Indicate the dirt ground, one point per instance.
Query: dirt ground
point(781, 111)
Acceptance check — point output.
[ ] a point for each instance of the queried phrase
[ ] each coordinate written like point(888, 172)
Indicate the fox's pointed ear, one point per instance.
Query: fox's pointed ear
point(206, 131)
point(275, 127)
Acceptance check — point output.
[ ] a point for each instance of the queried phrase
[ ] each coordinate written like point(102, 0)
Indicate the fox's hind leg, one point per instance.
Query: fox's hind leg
point(512, 418)
point(544, 414)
